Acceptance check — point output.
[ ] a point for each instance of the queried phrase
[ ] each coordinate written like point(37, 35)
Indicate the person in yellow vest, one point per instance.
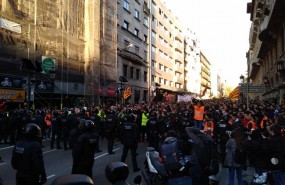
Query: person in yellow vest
point(199, 111)
point(145, 116)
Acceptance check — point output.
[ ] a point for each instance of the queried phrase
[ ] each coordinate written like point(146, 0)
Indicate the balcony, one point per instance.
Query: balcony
point(132, 57)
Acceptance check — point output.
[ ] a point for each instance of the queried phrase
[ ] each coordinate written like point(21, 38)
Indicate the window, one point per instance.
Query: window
point(138, 74)
point(152, 78)
point(145, 21)
point(126, 5)
point(125, 70)
point(170, 83)
point(153, 34)
point(137, 14)
point(153, 48)
point(160, 80)
point(160, 66)
point(165, 81)
point(136, 32)
point(145, 76)
point(137, 50)
point(145, 38)
point(145, 55)
point(126, 25)
point(160, 12)
point(132, 72)
point(126, 43)
point(165, 69)
point(153, 63)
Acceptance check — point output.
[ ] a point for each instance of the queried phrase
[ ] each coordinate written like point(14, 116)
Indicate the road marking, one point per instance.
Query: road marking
point(49, 151)
point(105, 154)
point(50, 176)
point(7, 147)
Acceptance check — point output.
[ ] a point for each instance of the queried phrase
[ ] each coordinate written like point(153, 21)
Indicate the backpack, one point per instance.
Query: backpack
point(171, 154)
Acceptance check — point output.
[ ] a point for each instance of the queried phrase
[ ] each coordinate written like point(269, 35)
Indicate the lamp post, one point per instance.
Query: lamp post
point(281, 69)
point(122, 80)
point(242, 82)
point(52, 78)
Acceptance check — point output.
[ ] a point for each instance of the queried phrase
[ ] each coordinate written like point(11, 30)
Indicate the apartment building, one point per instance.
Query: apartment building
point(266, 54)
point(133, 48)
point(192, 63)
point(205, 76)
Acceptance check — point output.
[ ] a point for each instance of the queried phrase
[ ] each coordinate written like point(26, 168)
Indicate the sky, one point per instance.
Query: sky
point(222, 26)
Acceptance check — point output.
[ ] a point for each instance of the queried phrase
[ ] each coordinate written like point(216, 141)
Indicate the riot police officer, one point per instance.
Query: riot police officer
point(152, 128)
point(27, 157)
point(129, 138)
point(84, 150)
point(56, 130)
point(110, 130)
point(97, 125)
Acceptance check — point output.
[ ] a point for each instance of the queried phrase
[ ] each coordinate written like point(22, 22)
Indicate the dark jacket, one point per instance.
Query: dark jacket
point(129, 133)
point(83, 152)
point(27, 159)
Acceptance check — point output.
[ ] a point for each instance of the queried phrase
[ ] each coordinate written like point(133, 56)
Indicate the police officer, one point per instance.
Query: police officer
point(56, 130)
point(129, 138)
point(110, 130)
point(27, 157)
point(84, 150)
point(97, 125)
point(152, 128)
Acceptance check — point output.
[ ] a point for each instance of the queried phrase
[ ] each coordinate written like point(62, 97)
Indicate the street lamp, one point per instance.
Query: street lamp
point(52, 78)
point(241, 79)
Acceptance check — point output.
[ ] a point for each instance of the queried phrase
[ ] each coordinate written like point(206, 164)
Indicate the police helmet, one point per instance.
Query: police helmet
point(89, 124)
point(32, 130)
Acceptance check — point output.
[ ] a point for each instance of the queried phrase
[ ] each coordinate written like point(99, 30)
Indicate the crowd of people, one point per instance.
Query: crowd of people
point(256, 132)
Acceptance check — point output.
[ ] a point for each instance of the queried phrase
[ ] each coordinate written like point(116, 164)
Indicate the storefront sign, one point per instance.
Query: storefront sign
point(11, 95)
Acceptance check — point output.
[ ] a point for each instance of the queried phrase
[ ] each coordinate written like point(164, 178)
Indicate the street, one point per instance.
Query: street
point(58, 162)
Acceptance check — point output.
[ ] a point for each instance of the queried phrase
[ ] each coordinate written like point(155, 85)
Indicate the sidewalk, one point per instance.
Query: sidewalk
point(222, 176)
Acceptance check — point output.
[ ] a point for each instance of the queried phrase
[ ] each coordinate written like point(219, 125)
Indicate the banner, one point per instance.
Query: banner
point(186, 98)
point(11, 95)
point(12, 26)
point(10, 82)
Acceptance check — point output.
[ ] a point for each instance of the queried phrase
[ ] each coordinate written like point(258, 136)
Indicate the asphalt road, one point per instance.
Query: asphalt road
point(59, 162)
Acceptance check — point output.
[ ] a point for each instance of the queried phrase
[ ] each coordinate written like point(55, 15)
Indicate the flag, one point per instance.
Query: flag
point(234, 94)
point(204, 91)
point(127, 93)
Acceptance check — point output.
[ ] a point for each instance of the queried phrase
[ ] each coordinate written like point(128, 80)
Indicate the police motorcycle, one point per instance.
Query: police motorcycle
point(155, 172)
point(115, 172)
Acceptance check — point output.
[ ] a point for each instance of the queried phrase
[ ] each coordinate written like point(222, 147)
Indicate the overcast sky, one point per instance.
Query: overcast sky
point(222, 27)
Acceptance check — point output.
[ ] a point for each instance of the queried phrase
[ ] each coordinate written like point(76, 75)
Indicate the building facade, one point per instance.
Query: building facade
point(266, 53)
point(69, 36)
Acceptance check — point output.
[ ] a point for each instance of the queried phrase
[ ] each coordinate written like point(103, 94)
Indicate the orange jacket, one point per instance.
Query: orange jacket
point(209, 127)
point(253, 125)
point(262, 123)
point(199, 112)
point(48, 119)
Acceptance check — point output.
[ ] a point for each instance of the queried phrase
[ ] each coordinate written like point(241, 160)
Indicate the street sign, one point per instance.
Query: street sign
point(251, 88)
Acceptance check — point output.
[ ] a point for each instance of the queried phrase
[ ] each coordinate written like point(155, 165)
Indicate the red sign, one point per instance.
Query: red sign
point(111, 91)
